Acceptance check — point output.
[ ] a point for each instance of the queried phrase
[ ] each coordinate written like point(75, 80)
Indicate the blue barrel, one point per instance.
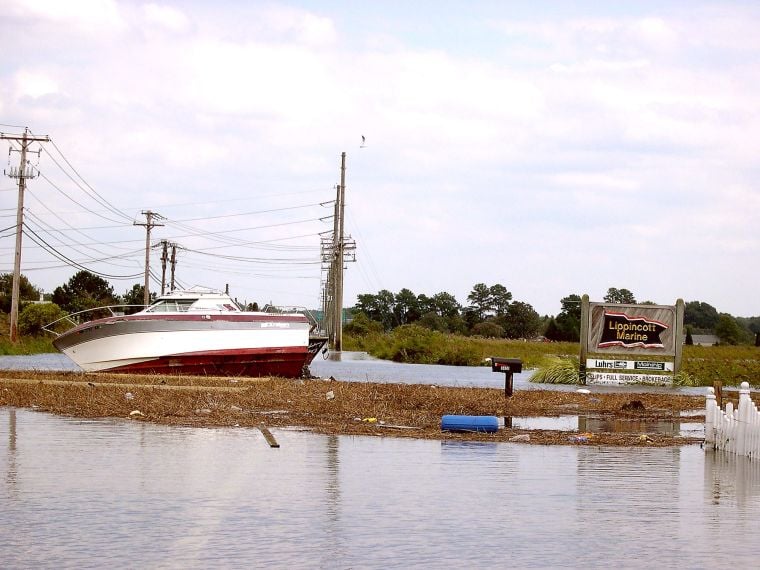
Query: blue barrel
point(487, 424)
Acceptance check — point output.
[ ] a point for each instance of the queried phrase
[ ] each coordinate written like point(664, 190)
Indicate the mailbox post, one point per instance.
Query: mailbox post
point(508, 366)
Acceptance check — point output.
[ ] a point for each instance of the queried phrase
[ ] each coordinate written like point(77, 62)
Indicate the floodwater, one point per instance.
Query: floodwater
point(122, 494)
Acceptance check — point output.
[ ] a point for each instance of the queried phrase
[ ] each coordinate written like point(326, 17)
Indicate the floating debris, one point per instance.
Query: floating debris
point(268, 436)
point(521, 437)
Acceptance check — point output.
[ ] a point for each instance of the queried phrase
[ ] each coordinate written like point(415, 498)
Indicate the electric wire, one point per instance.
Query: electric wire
point(94, 194)
point(30, 233)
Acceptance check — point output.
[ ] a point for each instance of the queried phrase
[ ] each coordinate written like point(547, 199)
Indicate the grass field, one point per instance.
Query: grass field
point(701, 365)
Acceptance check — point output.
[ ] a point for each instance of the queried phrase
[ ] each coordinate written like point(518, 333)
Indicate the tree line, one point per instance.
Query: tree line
point(491, 312)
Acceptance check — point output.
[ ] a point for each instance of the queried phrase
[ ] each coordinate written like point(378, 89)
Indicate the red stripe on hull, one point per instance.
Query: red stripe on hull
point(283, 362)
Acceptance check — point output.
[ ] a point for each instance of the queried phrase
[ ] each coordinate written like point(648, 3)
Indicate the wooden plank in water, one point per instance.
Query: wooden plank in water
point(268, 436)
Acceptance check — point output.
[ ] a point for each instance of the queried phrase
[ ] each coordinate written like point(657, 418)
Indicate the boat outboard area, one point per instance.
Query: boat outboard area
point(193, 331)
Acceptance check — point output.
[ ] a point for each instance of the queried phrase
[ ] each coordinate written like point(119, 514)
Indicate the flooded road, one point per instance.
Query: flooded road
point(359, 367)
point(117, 493)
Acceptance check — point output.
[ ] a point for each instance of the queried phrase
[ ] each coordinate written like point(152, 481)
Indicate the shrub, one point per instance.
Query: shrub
point(488, 329)
point(35, 316)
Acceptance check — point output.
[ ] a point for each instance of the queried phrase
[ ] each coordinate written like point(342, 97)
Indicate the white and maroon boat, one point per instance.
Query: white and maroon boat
point(194, 331)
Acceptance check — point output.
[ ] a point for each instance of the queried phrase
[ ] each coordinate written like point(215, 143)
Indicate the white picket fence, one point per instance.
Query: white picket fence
point(733, 430)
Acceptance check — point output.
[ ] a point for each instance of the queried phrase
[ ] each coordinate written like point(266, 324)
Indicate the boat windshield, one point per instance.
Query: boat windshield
point(171, 306)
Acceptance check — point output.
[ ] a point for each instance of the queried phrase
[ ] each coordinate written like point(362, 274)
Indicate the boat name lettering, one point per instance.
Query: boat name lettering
point(275, 325)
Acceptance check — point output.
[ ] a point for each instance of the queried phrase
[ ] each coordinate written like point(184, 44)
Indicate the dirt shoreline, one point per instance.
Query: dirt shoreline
point(340, 408)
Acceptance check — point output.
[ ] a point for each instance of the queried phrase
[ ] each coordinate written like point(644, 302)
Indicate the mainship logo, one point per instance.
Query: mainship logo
point(623, 330)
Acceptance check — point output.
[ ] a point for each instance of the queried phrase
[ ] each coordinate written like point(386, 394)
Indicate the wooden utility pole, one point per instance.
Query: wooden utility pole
point(173, 264)
point(341, 207)
point(149, 225)
point(164, 256)
point(22, 174)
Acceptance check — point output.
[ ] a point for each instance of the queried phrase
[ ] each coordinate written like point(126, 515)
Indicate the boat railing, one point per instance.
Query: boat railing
point(75, 319)
point(274, 309)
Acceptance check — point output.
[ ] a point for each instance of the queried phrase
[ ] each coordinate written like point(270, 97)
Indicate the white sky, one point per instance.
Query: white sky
point(552, 147)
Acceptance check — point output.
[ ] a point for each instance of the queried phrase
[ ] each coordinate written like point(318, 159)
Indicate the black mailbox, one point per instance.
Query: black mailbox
point(506, 364)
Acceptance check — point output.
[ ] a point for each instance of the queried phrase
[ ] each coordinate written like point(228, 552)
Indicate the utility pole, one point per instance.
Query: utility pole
point(335, 251)
point(22, 173)
point(174, 263)
point(149, 225)
point(164, 256)
point(339, 254)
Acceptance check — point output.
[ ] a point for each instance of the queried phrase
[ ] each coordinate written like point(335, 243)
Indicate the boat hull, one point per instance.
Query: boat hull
point(206, 344)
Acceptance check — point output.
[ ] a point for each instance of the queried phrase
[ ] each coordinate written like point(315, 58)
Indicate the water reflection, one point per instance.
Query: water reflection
point(11, 473)
point(126, 494)
point(731, 480)
point(598, 424)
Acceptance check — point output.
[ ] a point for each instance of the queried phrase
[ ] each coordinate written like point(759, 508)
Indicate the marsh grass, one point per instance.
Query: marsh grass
point(415, 344)
point(26, 345)
point(557, 370)
point(701, 365)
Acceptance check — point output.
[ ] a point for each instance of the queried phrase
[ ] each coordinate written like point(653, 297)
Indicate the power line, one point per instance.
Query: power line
point(89, 189)
point(61, 257)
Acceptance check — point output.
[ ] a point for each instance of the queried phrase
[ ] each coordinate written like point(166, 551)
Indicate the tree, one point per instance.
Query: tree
point(728, 330)
point(135, 297)
point(433, 321)
point(480, 301)
point(700, 315)
point(521, 321)
point(552, 331)
point(27, 291)
point(36, 315)
point(378, 307)
point(362, 325)
point(619, 296)
point(568, 320)
point(84, 290)
point(500, 299)
point(406, 309)
point(445, 305)
point(488, 301)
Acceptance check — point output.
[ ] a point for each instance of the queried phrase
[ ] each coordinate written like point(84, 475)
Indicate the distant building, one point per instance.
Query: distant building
point(703, 339)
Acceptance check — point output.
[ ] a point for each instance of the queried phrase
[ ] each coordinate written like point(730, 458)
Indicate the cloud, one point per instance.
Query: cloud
point(90, 16)
point(167, 17)
point(508, 155)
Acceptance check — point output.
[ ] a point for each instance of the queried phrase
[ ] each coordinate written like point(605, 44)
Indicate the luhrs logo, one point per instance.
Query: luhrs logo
point(623, 330)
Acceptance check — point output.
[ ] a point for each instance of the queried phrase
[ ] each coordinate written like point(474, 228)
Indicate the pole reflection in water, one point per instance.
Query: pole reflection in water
point(118, 493)
point(11, 473)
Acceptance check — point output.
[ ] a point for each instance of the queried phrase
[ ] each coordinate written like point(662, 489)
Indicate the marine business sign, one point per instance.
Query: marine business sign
point(620, 329)
point(631, 329)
